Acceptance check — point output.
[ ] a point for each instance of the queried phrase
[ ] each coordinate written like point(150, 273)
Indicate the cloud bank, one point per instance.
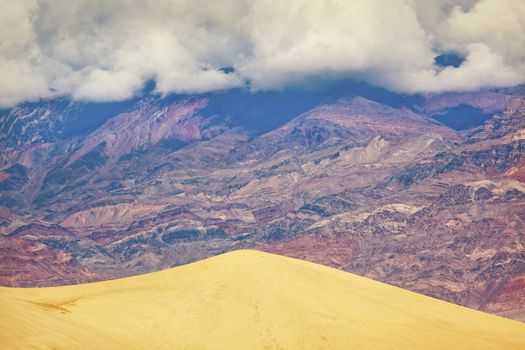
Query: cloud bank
point(106, 50)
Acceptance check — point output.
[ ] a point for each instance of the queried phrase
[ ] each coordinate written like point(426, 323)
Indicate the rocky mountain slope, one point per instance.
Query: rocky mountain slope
point(245, 299)
point(371, 185)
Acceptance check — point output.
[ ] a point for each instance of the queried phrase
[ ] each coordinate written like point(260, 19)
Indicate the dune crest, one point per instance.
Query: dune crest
point(244, 300)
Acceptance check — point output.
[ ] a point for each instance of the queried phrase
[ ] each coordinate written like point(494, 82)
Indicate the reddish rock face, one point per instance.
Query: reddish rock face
point(517, 171)
point(28, 263)
point(327, 250)
point(382, 191)
point(146, 126)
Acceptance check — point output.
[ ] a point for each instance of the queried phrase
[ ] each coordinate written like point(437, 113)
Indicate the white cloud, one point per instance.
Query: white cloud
point(106, 50)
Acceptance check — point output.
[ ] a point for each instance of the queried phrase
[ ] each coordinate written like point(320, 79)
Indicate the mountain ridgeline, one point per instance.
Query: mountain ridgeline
point(423, 192)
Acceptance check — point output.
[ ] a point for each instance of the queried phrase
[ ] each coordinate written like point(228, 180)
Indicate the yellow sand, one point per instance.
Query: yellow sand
point(245, 300)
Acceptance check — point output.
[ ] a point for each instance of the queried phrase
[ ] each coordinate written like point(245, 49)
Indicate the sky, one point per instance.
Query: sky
point(106, 50)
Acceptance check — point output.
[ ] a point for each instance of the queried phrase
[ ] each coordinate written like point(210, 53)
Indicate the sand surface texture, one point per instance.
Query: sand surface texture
point(244, 300)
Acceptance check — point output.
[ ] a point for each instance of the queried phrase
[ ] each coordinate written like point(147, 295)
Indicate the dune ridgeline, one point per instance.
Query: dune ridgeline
point(244, 300)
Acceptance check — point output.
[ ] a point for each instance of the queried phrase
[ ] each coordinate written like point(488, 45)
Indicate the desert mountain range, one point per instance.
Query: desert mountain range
point(422, 192)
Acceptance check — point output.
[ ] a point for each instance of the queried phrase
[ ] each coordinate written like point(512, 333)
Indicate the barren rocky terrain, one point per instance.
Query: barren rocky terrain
point(383, 188)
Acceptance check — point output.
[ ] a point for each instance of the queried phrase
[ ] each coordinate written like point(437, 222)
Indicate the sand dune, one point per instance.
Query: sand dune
point(244, 300)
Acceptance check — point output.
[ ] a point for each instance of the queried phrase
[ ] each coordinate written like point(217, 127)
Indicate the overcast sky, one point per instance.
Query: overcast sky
point(106, 49)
